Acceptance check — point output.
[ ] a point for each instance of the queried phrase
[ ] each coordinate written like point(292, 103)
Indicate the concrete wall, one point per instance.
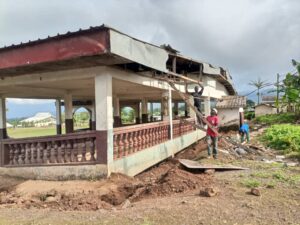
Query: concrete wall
point(228, 116)
point(264, 110)
point(138, 162)
point(83, 172)
point(212, 88)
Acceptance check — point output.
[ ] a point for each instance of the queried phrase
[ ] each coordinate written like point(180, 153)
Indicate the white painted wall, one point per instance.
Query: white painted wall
point(264, 110)
point(228, 116)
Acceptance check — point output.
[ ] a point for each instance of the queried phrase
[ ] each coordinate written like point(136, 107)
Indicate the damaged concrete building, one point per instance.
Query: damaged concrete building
point(102, 70)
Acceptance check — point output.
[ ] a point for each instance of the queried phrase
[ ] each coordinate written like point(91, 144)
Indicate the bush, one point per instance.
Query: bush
point(249, 115)
point(284, 137)
point(276, 118)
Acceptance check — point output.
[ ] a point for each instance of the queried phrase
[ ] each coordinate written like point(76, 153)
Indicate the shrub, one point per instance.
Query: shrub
point(276, 118)
point(284, 137)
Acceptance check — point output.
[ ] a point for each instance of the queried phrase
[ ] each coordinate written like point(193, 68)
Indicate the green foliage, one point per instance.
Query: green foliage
point(276, 118)
point(251, 183)
point(250, 103)
point(284, 137)
point(127, 115)
point(291, 83)
point(249, 115)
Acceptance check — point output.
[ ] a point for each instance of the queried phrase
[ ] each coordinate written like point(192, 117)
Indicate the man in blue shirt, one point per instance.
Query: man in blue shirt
point(244, 131)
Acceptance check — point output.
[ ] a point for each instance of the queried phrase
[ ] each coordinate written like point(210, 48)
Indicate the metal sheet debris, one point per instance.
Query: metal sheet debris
point(196, 165)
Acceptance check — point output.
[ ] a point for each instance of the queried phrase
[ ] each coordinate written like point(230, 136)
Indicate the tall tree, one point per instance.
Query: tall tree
point(259, 84)
point(292, 88)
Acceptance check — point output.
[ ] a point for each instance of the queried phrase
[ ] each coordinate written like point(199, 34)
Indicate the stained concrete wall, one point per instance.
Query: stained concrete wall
point(264, 110)
point(138, 162)
point(83, 172)
point(228, 116)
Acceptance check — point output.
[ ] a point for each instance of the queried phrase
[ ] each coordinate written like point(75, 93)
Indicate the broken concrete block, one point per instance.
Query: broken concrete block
point(255, 191)
point(209, 192)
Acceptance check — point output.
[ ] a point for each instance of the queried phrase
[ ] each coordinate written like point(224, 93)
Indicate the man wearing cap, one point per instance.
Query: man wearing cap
point(212, 137)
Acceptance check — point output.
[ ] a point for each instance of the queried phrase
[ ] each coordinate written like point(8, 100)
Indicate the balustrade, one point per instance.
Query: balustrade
point(61, 149)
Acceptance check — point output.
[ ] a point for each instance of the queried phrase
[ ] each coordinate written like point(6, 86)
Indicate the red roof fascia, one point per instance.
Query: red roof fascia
point(56, 49)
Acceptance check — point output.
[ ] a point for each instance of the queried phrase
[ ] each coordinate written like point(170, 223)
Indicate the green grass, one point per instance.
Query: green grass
point(276, 118)
point(285, 137)
point(251, 183)
point(33, 131)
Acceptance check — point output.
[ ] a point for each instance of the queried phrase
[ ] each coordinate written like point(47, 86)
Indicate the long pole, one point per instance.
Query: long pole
point(277, 84)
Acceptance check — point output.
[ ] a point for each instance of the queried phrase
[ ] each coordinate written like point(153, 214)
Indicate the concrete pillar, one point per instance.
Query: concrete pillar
point(144, 110)
point(207, 106)
point(93, 117)
point(167, 110)
point(170, 112)
point(117, 117)
point(68, 100)
point(190, 112)
point(104, 119)
point(176, 108)
point(58, 116)
point(3, 131)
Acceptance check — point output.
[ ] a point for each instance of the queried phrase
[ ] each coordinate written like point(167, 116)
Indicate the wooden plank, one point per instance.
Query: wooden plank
point(186, 97)
point(196, 165)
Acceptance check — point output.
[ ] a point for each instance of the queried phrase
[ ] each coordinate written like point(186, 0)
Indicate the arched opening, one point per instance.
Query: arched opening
point(81, 118)
point(128, 115)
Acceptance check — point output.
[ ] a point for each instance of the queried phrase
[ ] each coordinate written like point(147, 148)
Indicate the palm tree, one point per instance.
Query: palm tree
point(259, 84)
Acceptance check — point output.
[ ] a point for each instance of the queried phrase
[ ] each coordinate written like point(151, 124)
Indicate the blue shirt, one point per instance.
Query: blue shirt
point(244, 128)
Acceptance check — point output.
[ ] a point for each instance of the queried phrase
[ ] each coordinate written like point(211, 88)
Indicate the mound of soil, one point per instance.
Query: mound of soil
point(165, 179)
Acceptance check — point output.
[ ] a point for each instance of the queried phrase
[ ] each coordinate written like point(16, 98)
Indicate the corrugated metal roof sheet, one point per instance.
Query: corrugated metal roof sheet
point(231, 102)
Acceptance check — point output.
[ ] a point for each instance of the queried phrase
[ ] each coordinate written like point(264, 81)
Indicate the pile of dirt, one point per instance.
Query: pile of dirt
point(167, 178)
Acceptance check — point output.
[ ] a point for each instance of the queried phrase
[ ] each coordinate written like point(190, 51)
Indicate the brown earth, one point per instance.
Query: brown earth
point(164, 194)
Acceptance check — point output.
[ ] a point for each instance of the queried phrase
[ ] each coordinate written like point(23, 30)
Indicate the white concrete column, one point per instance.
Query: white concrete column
point(3, 131)
point(93, 118)
point(170, 112)
point(207, 106)
point(116, 108)
point(104, 119)
point(68, 100)
point(167, 110)
point(58, 116)
point(144, 110)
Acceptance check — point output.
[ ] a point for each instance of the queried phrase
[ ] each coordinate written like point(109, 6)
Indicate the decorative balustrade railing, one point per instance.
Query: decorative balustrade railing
point(180, 127)
point(76, 148)
point(128, 140)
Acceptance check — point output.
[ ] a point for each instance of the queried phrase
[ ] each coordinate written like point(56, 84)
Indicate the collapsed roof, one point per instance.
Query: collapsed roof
point(100, 46)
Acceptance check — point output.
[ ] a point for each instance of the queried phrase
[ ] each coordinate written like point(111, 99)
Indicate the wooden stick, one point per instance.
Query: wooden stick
point(185, 97)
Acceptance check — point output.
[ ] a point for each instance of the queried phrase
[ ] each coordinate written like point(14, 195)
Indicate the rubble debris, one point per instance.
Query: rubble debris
point(209, 192)
point(255, 191)
point(240, 151)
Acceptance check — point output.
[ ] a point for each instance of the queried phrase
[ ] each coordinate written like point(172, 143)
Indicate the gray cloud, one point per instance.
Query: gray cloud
point(252, 38)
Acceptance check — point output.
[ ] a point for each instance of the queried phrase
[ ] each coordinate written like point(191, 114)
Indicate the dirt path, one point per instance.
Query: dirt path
point(166, 194)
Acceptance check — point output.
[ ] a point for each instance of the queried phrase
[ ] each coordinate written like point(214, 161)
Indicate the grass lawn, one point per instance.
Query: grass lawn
point(31, 132)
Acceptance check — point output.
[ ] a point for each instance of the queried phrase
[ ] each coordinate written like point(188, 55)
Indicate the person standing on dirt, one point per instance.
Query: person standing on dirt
point(244, 131)
point(197, 98)
point(212, 137)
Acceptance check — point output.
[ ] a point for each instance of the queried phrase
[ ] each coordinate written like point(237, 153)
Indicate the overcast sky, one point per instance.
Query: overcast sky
point(251, 38)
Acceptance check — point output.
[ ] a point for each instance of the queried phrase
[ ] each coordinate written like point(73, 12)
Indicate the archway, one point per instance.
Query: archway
point(128, 115)
point(81, 118)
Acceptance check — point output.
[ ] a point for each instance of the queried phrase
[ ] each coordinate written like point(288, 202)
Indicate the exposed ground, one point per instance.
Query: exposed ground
point(165, 194)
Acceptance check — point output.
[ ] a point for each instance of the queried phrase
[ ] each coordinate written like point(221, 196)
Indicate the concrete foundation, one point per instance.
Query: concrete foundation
point(78, 172)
